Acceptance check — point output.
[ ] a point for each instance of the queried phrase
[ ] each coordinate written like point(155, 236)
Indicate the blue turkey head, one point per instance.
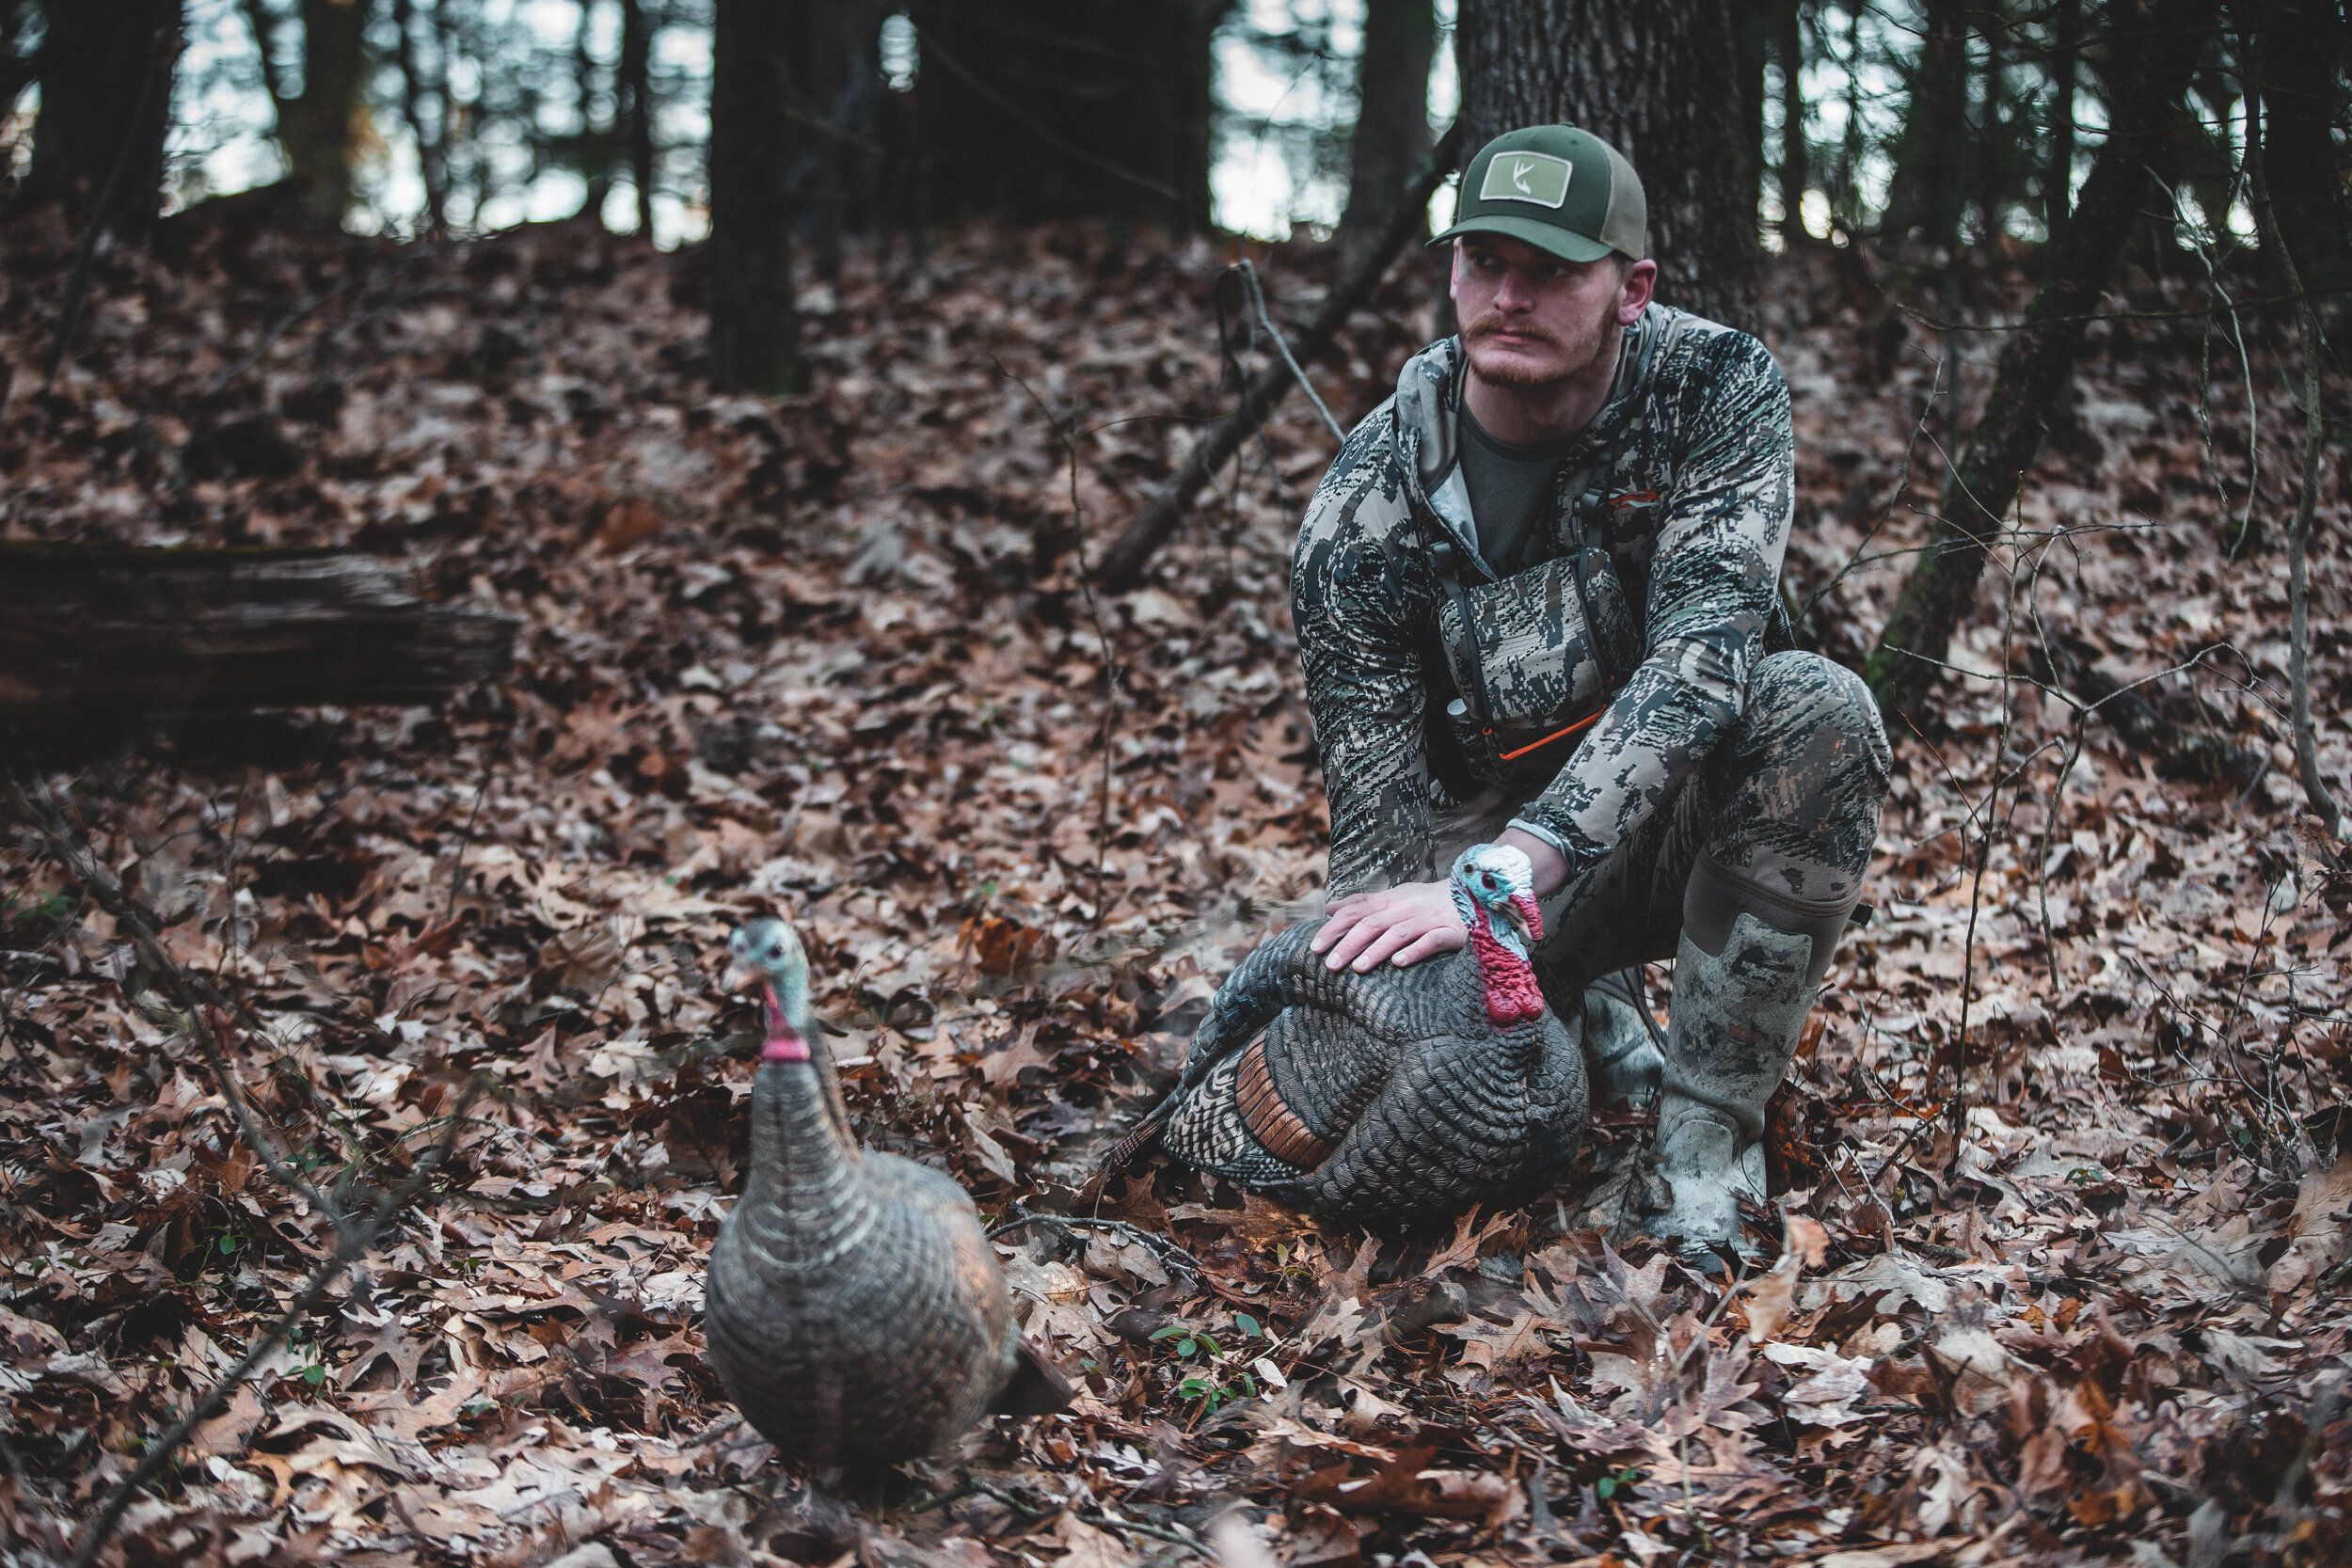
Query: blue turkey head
point(1493, 880)
point(769, 949)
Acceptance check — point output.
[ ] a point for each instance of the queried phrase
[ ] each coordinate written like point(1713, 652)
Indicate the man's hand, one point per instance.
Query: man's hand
point(1414, 921)
point(1400, 925)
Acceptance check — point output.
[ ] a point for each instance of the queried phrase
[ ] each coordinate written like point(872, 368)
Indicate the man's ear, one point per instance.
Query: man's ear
point(1454, 272)
point(1634, 290)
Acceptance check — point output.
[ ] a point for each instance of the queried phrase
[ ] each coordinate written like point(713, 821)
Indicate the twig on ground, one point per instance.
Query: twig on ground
point(465, 840)
point(1167, 1249)
point(2313, 344)
point(205, 1021)
point(1102, 635)
point(207, 1015)
point(1256, 291)
point(354, 1242)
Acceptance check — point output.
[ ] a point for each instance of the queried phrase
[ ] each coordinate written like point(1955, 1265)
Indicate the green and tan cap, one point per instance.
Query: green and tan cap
point(1560, 189)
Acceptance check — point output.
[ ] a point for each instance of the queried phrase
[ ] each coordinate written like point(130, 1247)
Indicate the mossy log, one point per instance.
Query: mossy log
point(94, 633)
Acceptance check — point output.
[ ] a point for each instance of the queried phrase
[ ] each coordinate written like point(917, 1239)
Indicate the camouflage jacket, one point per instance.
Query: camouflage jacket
point(1692, 457)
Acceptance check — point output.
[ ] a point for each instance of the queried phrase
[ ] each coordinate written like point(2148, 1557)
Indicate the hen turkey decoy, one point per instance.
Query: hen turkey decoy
point(854, 1309)
point(1398, 1096)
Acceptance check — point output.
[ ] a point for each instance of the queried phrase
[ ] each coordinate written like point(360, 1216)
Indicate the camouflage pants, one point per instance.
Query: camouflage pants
point(1790, 801)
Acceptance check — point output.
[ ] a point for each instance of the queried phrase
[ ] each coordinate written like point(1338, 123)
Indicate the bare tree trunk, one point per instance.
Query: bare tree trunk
point(1850, 145)
point(105, 107)
point(2058, 175)
point(1788, 44)
point(635, 86)
point(2039, 364)
point(1927, 197)
point(320, 128)
point(599, 145)
point(2302, 89)
point(1392, 136)
point(1992, 138)
point(1660, 81)
point(2323, 800)
point(755, 344)
point(322, 138)
point(1033, 110)
point(432, 163)
point(1751, 42)
point(837, 87)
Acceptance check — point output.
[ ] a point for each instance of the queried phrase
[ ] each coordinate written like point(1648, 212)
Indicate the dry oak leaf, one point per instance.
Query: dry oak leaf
point(1408, 1484)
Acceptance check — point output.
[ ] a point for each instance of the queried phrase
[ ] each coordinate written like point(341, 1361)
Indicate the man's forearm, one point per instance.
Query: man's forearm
point(1552, 867)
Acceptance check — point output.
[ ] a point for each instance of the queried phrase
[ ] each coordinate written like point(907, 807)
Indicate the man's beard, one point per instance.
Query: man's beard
point(1527, 377)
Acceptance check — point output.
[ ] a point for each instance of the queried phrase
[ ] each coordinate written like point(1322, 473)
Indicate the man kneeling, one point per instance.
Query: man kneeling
point(1535, 595)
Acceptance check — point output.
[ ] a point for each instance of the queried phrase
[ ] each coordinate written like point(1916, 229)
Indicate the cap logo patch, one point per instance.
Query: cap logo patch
point(1536, 177)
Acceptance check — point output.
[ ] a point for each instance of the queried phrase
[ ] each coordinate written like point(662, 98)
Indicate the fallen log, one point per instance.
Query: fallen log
point(100, 633)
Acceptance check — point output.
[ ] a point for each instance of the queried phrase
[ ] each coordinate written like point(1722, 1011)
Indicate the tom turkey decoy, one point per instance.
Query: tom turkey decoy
point(1397, 1096)
point(853, 1308)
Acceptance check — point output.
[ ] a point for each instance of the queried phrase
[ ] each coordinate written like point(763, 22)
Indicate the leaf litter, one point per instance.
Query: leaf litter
point(2065, 1283)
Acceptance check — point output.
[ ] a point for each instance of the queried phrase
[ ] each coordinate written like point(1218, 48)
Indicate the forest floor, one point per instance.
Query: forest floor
point(2066, 1184)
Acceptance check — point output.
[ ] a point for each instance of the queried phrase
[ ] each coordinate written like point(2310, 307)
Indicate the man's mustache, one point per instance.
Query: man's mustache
point(1491, 325)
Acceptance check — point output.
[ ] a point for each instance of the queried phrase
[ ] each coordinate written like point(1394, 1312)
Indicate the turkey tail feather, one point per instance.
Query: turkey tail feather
point(1140, 1140)
point(1035, 1388)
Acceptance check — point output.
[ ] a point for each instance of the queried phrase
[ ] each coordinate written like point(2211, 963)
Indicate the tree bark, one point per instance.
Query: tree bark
point(91, 633)
point(1392, 136)
point(1788, 44)
point(1752, 51)
point(2039, 363)
point(1034, 110)
point(1851, 144)
point(1659, 82)
point(754, 342)
point(836, 150)
point(319, 129)
point(432, 164)
point(2261, 158)
point(2302, 60)
point(1927, 197)
point(106, 108)
point(635, 87)
point(2058, 175)
point(600, 146)
point(1992, 138)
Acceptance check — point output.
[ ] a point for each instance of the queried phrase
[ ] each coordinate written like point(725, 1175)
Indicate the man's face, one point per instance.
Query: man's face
point(1530, 319)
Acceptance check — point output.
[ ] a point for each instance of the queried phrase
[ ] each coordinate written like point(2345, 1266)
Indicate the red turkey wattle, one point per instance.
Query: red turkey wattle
point(1512, 994)
point(781, 1044)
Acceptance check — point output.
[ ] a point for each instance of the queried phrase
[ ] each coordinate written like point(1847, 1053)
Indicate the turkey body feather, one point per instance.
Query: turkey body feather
point(1413, 1102)
point(853, 1307)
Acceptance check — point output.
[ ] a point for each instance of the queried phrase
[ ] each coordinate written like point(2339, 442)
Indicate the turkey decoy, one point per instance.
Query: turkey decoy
point(854, 1309)
point(1399, 1096)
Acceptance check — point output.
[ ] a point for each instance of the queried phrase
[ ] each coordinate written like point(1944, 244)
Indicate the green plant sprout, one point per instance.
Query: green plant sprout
point(1219, 1376)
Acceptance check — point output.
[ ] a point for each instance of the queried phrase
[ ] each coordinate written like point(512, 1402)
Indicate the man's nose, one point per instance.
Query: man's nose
point(1513, 293)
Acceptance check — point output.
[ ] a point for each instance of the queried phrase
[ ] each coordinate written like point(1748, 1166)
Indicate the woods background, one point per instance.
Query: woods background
point(497, 490)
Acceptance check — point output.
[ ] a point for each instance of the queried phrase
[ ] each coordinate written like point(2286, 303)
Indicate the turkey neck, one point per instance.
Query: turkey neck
point(1506, 983)
point(805, 1183)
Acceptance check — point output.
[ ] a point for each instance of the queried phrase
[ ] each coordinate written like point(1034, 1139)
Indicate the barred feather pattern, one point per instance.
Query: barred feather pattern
point(854, 1309)
point(1427, 1106)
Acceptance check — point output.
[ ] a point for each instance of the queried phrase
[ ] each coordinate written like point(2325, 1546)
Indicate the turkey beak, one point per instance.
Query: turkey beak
point(1525, 918)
